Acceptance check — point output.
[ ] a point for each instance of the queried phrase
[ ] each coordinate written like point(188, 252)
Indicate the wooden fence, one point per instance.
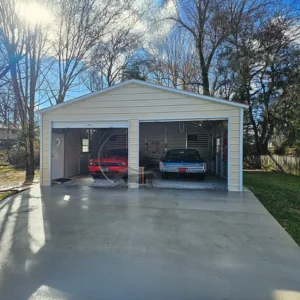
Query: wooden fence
point(288, 164)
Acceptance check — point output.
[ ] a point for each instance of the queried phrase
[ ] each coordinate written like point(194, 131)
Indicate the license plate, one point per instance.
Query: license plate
point(104, 169)
point(182, 170)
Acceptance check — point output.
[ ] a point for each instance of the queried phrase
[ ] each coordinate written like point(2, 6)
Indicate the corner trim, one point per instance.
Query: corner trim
point(228, 153)
point(50, 153)
point(41, 149)
point(241, 148)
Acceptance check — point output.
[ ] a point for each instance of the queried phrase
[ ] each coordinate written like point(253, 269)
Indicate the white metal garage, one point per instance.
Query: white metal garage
point(131, 103)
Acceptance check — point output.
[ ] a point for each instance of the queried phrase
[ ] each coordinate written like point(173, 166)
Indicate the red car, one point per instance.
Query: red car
point(114, 162)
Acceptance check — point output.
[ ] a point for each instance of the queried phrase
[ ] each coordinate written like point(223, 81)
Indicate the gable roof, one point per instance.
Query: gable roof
point(147, 84)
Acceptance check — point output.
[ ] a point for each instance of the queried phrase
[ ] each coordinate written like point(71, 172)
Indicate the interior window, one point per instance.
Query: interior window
point(85, 146)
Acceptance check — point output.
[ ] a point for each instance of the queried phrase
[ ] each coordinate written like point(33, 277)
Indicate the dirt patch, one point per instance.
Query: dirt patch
point(12, 177)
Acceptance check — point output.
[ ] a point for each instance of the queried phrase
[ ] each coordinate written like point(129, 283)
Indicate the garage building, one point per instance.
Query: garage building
point(148, 120)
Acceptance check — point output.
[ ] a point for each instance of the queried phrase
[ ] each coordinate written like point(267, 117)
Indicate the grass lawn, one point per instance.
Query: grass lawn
point(12, 177)
point(280, 194)
point(9, 173)
point(4, 195)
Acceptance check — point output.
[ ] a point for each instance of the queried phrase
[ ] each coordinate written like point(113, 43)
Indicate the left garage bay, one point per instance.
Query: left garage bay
point(83, 151)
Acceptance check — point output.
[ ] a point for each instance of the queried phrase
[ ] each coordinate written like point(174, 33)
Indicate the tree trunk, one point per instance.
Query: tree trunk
point(205, 81)
point(30, 142)
point(204, 70)
point(30, 159)
point(263, 148)
point(27, 125)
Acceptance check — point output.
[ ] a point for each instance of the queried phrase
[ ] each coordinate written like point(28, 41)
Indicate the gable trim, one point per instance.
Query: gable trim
point(147, 84)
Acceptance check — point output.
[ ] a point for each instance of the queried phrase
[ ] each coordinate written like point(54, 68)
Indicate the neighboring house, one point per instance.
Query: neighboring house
point(8, 132)
point(148, 119)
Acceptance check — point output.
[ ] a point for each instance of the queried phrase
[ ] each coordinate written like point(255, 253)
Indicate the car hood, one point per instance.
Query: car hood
point(110, 158)
point(182, 159)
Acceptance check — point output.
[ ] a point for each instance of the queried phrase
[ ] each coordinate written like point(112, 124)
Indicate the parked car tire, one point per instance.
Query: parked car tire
point(201, 176)
point(164, 175)
point(95, 176)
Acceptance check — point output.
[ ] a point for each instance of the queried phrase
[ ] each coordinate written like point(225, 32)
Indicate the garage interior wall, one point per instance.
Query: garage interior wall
point(103, 139)
point(72, 152)
point(136, 102)
point(156, 138)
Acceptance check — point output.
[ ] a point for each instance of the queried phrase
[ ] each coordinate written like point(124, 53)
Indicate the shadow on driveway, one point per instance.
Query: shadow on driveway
point(78, 242)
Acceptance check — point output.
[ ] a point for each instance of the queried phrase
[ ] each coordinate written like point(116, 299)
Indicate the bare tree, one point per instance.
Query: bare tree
point(210, 22)
point(7, 106)
point(81, 25)
point(174, 62)
point(4, 68)
point(267, 77)
point(93, 80)
point(24, 44)
point(111, 57)
point(117, 51)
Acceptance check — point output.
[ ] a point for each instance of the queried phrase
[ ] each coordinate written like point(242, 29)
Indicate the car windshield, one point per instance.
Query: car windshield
point(183, 153)
point(117, 152)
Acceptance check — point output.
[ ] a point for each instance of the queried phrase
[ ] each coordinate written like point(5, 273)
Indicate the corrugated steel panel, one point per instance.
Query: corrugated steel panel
point(118, 141)
point(136, 103)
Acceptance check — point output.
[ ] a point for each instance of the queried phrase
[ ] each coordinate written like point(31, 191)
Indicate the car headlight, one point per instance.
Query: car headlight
point(93, 163)
point(122, 164)
point(161, 165)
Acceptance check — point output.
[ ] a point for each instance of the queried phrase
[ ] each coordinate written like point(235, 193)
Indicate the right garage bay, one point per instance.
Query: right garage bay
point(206, 140)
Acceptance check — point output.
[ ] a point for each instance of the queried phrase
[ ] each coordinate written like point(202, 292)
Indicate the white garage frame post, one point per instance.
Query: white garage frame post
point(41, 148)
point(225, 118)
point(120, 123)
point(221, 152)
point(133, 153)
point(50, 152)
point(228, 153)
point(241, 147)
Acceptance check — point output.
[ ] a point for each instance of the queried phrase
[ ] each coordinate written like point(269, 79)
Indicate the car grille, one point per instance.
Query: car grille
point(110, 172)
point(110, 164)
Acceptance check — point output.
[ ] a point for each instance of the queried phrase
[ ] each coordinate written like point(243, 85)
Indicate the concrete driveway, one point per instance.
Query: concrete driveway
point(76, 242)
point(174, 181)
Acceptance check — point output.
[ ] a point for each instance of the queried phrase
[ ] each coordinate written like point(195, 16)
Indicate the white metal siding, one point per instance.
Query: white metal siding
point(133, 153)
point(90, 124)
point(135, 102)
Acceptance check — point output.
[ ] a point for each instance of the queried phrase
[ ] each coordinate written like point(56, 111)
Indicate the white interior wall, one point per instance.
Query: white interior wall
point(203, 151)
point(72, 152)
point(108, 138)
point(157, 138)
point(220, 165)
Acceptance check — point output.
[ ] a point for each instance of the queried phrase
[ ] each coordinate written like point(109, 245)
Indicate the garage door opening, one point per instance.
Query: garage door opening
point(186, 154)
point(89, 156)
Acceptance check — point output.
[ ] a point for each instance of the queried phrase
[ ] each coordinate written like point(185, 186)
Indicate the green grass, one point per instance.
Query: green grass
point(280, 194)
point(11, 177)
point(6, 169)
point(6, 173)
point(4, 195)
